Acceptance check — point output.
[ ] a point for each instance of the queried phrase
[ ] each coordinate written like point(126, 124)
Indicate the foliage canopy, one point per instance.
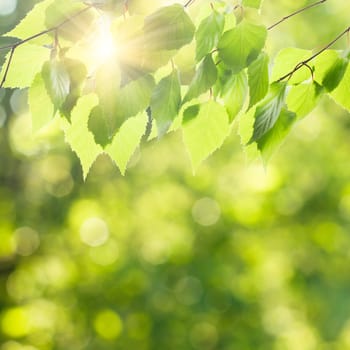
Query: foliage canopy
point(115, 73)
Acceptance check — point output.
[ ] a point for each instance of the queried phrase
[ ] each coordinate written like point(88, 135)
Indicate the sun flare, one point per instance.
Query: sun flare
point(104, 44)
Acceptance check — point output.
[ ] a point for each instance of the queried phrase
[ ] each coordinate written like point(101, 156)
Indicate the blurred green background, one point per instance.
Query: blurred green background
point(236, 257)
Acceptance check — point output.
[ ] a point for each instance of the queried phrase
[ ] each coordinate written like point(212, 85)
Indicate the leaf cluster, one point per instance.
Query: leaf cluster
point(167, 67)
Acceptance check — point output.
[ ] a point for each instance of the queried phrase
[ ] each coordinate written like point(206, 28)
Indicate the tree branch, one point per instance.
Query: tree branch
point(189, 2)
point(14, 46)
point(305, 62)
point(296, 13)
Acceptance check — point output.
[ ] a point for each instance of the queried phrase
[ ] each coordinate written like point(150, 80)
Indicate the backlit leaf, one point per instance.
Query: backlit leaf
point(302, 98)
point(205, 132)
point(166, 101)
point(234, 92)
point(341, 93)
point(268, 110)
point(27, 61)
point(208, 34)
point(126, 141)
point(241, 45)
point(335, 74)
point(252, 3)
point(168, 28)
point(77, 134)
point(40, 105)
point(258, 78)
point(286, 60)
point(33, 23)
point(204, 78)
point(270, 142)
point(57, 81)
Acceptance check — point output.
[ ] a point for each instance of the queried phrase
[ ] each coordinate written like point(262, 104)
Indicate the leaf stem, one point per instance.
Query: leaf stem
point(305, 62)
point(296, 13)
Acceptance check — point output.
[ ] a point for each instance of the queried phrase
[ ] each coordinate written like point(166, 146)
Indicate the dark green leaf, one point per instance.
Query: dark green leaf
point(99, 127)
point(166, 101)
point(57, 81)
point(208, 34)
point(77, 74)
point(268, 110)
point(108, 89)
point(168, 28)
point(133, 98)
point(241, 45)
point(269, 142)
point(335, 74)
point(203, 80)
point(341, 93)
point(258, 78)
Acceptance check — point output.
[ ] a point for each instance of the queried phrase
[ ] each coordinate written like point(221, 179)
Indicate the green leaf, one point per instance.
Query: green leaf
point(168, 28)
point(241, 45)
point(206, 132)
point(33, 22)
point(203, 80)
point(341, 93)
point(286, 60)
point(258, 78)
point(234, 92)
point(302, 98)
point(75, 27)
point(252, 3)
point(77, 134)
point(27, 61)
point(40, 105)
point(268, 110)
point(323, 63)
point(166, 101)
point(77, 74)
point(335, 74)
point(126, 141)
point(108, 75)
point(57, 81)
point(269, 142)
point(133, 98)
point(208, 34)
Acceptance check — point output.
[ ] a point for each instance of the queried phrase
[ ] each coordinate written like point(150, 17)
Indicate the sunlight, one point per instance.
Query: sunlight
point(104, 43)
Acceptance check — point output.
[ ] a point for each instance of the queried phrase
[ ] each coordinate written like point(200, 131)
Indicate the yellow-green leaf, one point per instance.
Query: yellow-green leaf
point(205, 131)
point(126, 140)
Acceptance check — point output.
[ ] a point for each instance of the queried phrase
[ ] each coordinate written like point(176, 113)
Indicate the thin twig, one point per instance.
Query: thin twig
point(189, 2)
point(305, 62)
point(7, 66)
point(296, 13)
point(14, 46)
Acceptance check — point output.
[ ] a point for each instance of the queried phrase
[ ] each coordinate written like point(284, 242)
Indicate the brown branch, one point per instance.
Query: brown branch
point(7, 66)
point(189, 2)
point(296, 13)
point(305, 62)
point(14, 46)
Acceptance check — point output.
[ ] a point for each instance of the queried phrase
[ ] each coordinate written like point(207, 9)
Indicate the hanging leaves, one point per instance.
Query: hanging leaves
point(152, 66)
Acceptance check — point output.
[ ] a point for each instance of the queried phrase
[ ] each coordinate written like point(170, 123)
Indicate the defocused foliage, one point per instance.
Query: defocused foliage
point(236, 257)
